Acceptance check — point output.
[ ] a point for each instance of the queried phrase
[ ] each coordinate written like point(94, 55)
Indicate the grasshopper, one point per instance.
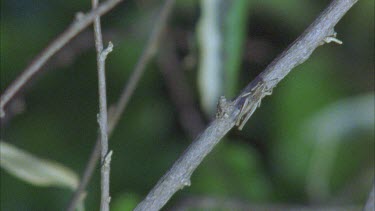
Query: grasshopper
point(252, 102)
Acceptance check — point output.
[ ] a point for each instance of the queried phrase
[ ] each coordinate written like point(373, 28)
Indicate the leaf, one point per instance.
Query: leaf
point(234, 39)
point(329, 128)
point(342, 117)
point(35, 171)
point(221, 34)
point(210, 71)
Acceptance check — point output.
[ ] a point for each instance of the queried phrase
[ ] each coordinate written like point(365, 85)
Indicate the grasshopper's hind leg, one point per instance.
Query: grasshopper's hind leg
point(247, 117)
point(242, 112)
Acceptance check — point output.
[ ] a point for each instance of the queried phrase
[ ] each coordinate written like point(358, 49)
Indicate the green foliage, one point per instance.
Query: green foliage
point(268, 162)
point(235, 22)
point(125, 202)
point(232, 170)
point(294, 14)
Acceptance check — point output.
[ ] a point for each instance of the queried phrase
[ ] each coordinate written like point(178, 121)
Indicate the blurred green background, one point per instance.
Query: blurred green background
point(311, 142)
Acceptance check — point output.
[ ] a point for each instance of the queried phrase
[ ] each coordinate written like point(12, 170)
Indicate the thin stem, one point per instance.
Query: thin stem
point(229, 112)
point(117, 110)
point(81, 22)
point(102, 119)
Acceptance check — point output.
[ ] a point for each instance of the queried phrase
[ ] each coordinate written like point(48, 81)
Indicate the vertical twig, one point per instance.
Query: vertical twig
point(121, 104)
point(102, 118)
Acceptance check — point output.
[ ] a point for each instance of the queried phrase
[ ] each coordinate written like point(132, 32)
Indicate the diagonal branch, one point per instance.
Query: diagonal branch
point(116, 112)
point(240, 109)
point(81, 22)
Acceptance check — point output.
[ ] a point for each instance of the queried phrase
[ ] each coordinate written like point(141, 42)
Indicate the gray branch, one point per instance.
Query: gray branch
point(229, 112)
point(80, 23)
point(101, 56)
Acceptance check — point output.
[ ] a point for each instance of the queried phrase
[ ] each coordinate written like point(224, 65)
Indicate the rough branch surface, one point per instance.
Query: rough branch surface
point(298, 52)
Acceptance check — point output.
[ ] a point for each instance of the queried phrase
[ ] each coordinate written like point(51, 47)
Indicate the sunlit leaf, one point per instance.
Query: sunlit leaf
point(329, 128)
point(342, 117)
point(221, 34)
point(210, 72)
point(33, 170)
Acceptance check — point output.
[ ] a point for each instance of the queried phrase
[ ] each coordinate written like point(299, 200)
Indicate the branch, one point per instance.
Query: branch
point(116, 111)
point(81, 22)
point(240, 109)
point(102, 118)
